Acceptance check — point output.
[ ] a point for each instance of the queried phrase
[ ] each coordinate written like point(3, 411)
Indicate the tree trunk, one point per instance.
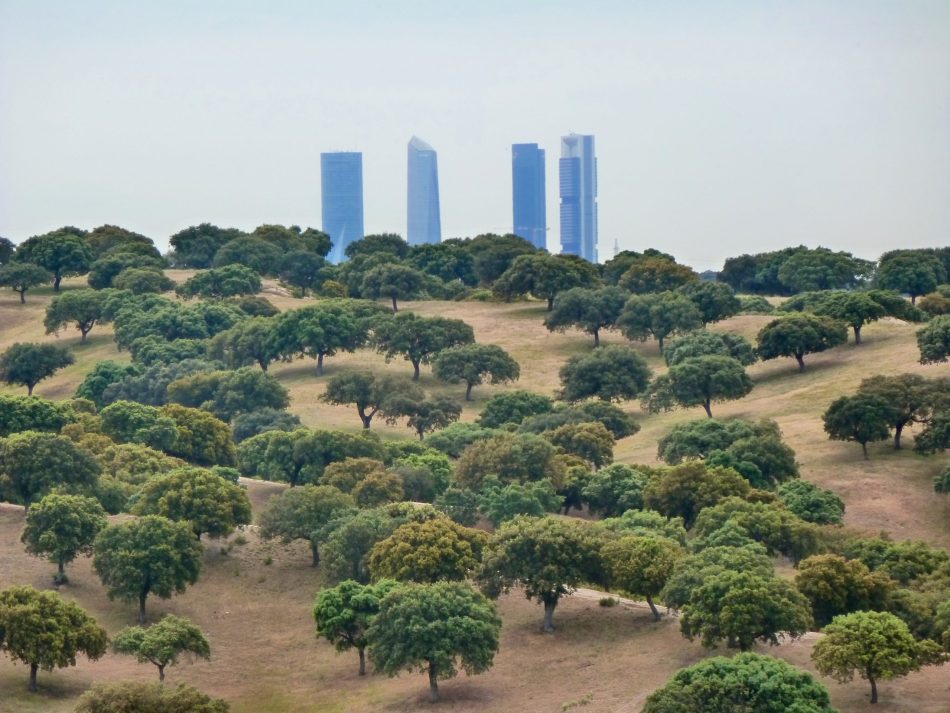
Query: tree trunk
point(83, 332)
point(433, 683)
point(800, 358)
point(395, 308)
point(320, 364)
point(857, 334)
point(548, 626)
point(873, 689)
point(22, 296)
point(913, 300)
point(60, 577)
point(656, 613)
point(29, 389)
point(59, 278)
point(422, 434)
point(659, 341)
point(596, 337)
point(864, 447)
point(33, 669)
point(262, 363)
point(468, 392)
point(550, 303)
point(161, 673)
point(315, 552)
point(706, 406)
point(898, 428)
point(415, 370)
point(367, 420)
point(142, 607)
point(362, 653)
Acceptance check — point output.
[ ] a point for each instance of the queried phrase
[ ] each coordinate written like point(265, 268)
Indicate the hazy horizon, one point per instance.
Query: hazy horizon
point(721, 127)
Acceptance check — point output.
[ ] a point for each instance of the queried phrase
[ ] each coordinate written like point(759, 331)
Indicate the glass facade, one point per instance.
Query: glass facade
point(578, 191)
point(424, 221)
point(341, 183)
point(527, 194)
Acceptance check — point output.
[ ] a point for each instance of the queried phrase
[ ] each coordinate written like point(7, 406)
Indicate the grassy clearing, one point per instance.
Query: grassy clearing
point(257, 615)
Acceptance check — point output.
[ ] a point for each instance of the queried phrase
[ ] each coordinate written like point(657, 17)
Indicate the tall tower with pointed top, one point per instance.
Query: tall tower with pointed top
point(578, 189)
point(424, 220)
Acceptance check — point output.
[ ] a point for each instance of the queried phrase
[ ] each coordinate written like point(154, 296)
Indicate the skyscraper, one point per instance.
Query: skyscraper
point(341, 184)
point(527, 193)
point(578, 189)
point(425, 225)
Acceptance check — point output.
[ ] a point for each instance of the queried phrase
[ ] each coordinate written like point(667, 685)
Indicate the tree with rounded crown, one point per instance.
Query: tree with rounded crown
point(698, 381)
point(437, 628)
point(162, 643)
point(249, 341)
point(61, 527)
point(437, 549)
point(33, 463)
point(641, 565)
point(63, 252)
point(835, 585)
point(344, 613)
point(591, 310)
point(318, 332)
point(424, 416)
point(548, 557)
point(80, 307)
point(151, 697)
point(876, 645)
point(934, 340)
point(298, 513)
point(31, 413)
point(860, 418)
point(909, 273)
point(475, 364)
point(745, 682)
point(28, 363)
point(544, 276)
point(513, 407)
point(659, 315)
point(150, 555)
point(418, 339)
point(702, 342)
point(44, 631)
point(656, 274)
point(912, 397)
point(370, 394)
point(227, 281)
point(613, 490)
point(394, 282)
point(714, 300)
point(798, 335)
point(21, 277)
point(589, 441)
point(612, 373)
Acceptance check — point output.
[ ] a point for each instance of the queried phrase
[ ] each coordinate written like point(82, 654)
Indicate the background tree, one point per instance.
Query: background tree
point(132, 422)
point(513, 407)
point(835, 585)
point(261, 420)
point(249, 341)
point(715, 301)
point(80, 307)
point(502, 503)
point(613, 490)
point(143, 280)
point(369, 393)
point(588, 309)
point(822, 269)
point(388, 244)
point(104, 271)
point(741, 607)
point(437, 549)
point(317, 332)
point(254, 253)
point(6, 250)
point(44, 631)
point(743, 682)
point(34, 463)
point(860, 418)
point(912, 397)
point(61, 527)
point(300, 513)
point(31, 413)
point(699, 381)
point(63, 252)
point(206, 501)
point(547, 557)
point(512, 457)
point(425, 416)
point(658, 315)
point(344, 613)
point(475, 364)
point(227, 394)
point(437, 628)
point(200, 437)
point(418, 339)
point(28, 363)
point(378, 488)
point(706, 343)
point(798, 335)
point(21, 277)
point(910, 273)
point(544, 276)
point(150, 555)
point(934, 340)
point(641, 565)
point(591, 442)
point(152, 697)
point(612, 373)
point(656, 274)
point(812, 503)
point(304, 270)
point(195, 246)
point(162, 643)
point(876, 645)
point(684, 490)
point(853, 308)
point(227, 281)
point(394, 282)
point(112, 238)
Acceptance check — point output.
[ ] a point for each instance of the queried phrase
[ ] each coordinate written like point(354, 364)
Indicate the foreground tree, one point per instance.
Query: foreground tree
point(475, 364)
point(61, 527)
point(44, 631)
point(150, 697)
point(300, 513)
point(798, 335)
point(910, 273)
point(28, 364)
point(63, 252)
point(934, 340)
point(162, 643)
point(587, 309)
point(393, 282)
point(437, 549)
point(860, 418)
point(658, 315)
point(745, 682)
point(699, 381)
point(369, 393)
point(344, 613)
point(641, 565)
point(418, 339)
point(544, 276)
point(912, 398)
point(21, 277)
point(613, 373)
point(33, 463)
point(835, 585)
point(150, 555)
point(437, 628)
point(876, 645)
point(547, 557)
point(714, 300)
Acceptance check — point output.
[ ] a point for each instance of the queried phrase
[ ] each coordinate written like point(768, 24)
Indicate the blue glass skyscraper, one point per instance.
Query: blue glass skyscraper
point(527, 194)
point(424, 221)
point(341, 183)
point(578, 189)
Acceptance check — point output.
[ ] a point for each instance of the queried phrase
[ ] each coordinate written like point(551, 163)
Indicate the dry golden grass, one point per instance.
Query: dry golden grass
point(257, 615)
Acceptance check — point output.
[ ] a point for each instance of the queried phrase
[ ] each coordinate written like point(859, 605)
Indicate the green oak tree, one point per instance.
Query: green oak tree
point(705, 343)
point(909, 273)
point(227, 281)
point(513, 407)
point(80, 307)
point(715, 301)
point(512, 457)
point(590, 310)
point(798, 335)
point(250, 341)
point(371, 394)
point(835, 585)
point(318, 332)
point(698, 381)
point(613, 490)
point(659, 315)
point(811, 503)
point(418, 339)
point(28, 363)
point(590, 441)
point(934, 340)
point(63, 252)
point(300, 513)
point(162, 643)
point(612, 373)
point(475, 364)
point(60, 527)
point(21, 277)
point(544, 276)
point(33, 463)
point(393, 282)
point(31, 413)
point(656, 274)
point(913, 398)
point(861, 418)
point(641, 565)
point(438, 549)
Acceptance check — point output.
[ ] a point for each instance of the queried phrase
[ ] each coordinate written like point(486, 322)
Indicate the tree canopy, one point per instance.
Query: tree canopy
point(475, 364)
point(430, 551)
point(21, 277)
point(698, 381)
point(162, 643)
point(418, 339)
point(591, 310)
point(28, 363)
point(61, 527)
point(300, 513)
point(798, 335)
point(33, 463)
point(861, 418)
point(611, 373)
point(393, 282)
point(63, 252)
point(228, 281)
point(933, 340)
point(659, 315)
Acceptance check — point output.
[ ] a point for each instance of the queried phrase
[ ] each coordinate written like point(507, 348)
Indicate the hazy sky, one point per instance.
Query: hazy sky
point(721, 127)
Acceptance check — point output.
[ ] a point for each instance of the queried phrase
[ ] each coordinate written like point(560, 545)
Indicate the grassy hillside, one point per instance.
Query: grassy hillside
point(254, 599)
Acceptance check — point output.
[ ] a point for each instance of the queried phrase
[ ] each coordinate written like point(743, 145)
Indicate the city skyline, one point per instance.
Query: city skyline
point(529, 194)
point(341, 199)
point(578, 192)
point(423, 213)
